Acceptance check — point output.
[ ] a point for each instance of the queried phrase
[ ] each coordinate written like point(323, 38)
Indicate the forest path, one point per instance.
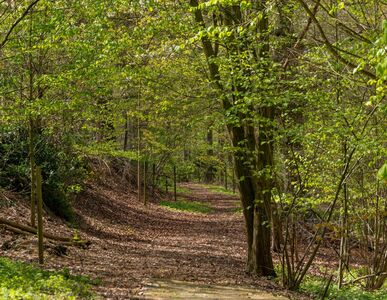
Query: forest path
point(172, 289)
point(206, 257)
point(135, 244)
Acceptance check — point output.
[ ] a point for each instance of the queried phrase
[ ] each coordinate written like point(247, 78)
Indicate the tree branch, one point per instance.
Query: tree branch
point(25, 13)
point(20, 228)
point(328, 44)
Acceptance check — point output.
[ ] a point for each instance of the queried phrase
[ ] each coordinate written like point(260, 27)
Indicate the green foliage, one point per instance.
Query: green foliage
point(189, 206)
point(381, 68)
point(317, 285)
point(61, 170)
point(23, 281)
point(96, 73)
point(14, 169)
point(382, 173)
point(107, 149)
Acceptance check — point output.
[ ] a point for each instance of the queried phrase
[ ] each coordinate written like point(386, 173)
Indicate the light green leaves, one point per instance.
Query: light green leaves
point(382, 173)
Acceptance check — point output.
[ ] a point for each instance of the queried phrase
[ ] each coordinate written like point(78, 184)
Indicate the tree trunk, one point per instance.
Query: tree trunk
point(174, 184)
point(33, 173)
point(256, 206)
point(126, 131)
point(39, 199)
point(210, 171)
point(145, 196)
point(255, 190)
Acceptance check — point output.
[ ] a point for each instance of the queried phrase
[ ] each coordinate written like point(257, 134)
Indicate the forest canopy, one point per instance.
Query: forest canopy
point(283, 99)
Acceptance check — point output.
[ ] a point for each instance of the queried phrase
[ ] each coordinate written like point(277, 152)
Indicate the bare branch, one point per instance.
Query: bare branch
point(25, 13)
point(329, 45)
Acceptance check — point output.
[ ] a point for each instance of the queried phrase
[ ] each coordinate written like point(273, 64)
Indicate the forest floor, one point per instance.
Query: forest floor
point(133, 245)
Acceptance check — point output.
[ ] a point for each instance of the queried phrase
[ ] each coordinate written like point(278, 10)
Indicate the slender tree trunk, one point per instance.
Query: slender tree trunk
point(232, 174)
point(343, 259)
point(145, 195)
point(210, 171)
point(33, 172)
point(153, 178)
point(32, 131)
point(174, 184)
point(225, 175)
point(126, 133)
point(40, 213)
point(139, 179)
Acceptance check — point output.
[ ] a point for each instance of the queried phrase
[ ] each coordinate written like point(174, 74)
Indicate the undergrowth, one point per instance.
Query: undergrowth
point(23, 281)
point(62, 169)
point(190, 206)
point(316, 287)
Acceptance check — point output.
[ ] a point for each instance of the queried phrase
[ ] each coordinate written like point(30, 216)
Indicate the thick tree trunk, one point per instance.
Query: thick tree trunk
point(255, 196)
point(263, 211)
point(255, 190)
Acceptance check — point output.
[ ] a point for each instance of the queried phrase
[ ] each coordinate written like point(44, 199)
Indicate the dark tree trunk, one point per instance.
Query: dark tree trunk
point(255, 197)
point(255, 190)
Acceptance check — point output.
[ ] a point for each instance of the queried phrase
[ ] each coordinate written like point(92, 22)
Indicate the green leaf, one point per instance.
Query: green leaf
point(382, 173)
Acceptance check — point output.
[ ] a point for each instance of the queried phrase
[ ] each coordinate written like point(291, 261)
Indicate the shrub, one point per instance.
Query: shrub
point(61, 170)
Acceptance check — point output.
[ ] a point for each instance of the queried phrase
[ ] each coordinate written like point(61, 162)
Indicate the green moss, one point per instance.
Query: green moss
point(191, 206)
point(23, 281)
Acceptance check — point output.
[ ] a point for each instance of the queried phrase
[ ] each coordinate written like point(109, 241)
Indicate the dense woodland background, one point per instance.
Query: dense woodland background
point(283, 101)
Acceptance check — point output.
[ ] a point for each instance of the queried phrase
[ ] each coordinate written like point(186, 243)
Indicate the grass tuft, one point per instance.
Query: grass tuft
point(190, 206)
point(183, 190)
point(218, 189)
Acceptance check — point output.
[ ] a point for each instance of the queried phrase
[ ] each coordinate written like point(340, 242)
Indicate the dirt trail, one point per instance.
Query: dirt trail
point(172, 289)
point(132, 244)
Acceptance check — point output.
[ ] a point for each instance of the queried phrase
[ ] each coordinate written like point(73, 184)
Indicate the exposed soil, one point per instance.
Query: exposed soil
point(172, 289)
point(132, 244)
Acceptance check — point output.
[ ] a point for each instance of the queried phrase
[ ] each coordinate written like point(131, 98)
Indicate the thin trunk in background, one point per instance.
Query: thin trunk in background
point(174, 183)
point(145, 196)
point(32, 130)
point(40, 213)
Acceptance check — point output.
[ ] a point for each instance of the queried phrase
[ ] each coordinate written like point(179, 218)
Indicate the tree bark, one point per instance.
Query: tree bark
point(255, 190)
point(174, 184)
point(39, 199)
point(145, 196)
point(210, 170)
